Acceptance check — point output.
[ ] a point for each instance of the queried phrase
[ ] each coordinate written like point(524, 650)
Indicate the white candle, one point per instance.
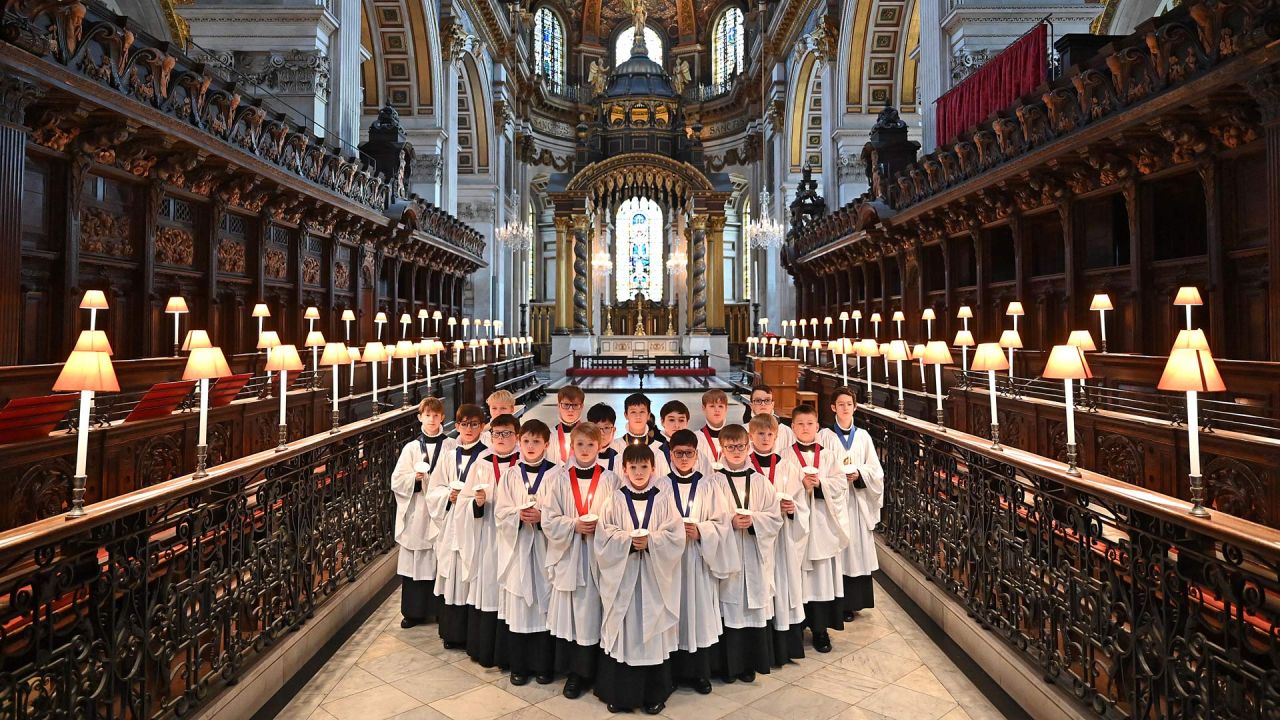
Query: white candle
point(899, 381)
point(335, 388)
point(346, 331)
point(204, 411)
point(1193, 430)
point(1069, 384)
point(428, 373)
point(877, 328)
point(82, 431)
point(1102, 322)
point(991, 393)
point(928, 324)
point(373, 374)
point(176, 339)
point(1011, 354)
point(284, 390)
point(844, 368)
point(93, 319)
point(937, 379)
point(351, 377)
point(404, 372)
point(922, 381)
point(869, 397)
point(1188, 307)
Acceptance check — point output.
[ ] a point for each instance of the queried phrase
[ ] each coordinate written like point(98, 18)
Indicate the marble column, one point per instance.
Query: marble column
point(564, 278)
point(698, 276)
point(715, 274)
point(578, 234)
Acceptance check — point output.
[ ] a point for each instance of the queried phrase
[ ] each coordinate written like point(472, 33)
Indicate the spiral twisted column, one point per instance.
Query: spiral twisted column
point(698, 276)
point(580, 252)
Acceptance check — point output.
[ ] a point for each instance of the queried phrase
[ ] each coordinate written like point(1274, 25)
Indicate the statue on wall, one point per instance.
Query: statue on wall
point(598, 76)
point(681, 76)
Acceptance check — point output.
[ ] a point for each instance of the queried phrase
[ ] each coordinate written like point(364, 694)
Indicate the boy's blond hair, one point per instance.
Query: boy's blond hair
point(431, 404)
point(501, 396)
point(733, 433)
point(588, 429)
point(711, 397)
point(572, 393)
point(762, 422)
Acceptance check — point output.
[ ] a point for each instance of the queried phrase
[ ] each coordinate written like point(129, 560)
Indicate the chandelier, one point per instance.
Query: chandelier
point(515, 235)
point(764, 232)
point(677, 262)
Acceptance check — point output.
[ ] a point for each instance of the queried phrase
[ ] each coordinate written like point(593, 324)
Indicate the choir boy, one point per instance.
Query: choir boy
point(639, 545)
point(605, 418)
point(675, 417)
point(569, 400)
point(746, 598)
point(486, 633)
point(452, 473)
point(859, 464)
point(710, 556)
point(571, 505)
point(827, 495)
point(523, 591)
point(499, 402)
point(762, 402)
point(640, 431)
point(415, 532)
point(789, 550)
point(715, 407)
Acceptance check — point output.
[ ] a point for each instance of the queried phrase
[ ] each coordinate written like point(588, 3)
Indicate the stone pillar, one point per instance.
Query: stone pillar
point(715, 274)
point(578, 233)
point(15, 95)
point(346, 98)
point(698, 276)
point(564, 278)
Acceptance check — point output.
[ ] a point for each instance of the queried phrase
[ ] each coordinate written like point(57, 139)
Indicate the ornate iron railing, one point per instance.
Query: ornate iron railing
point(1114, 592)
point(156, 599)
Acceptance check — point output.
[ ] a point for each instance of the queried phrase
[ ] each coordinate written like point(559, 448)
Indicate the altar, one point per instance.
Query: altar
point(640, 345)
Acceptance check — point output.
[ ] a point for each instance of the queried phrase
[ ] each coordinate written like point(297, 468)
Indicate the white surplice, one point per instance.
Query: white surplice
point(822, 575)
point(864, 503)
point(477, 539)
point(574, 610)
point(415, 531)
point(791, 545)
point(661, 464)
point(707, 561)
point(560, 449)
point(451, 519)
point(746, 598)
point(784, 439)
point(640, 591)
point(523, 588)
point(709, 444)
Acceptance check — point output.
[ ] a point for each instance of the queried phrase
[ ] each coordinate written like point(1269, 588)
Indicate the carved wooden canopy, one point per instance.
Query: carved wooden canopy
point(620, 178)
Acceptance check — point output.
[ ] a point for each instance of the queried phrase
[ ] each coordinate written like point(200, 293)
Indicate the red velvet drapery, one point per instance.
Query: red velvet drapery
point(1015, 71)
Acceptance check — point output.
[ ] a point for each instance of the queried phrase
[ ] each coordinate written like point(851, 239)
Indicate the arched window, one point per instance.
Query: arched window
point(653, 44)
point(727, 46)
point(548, 46)
point(638, 254)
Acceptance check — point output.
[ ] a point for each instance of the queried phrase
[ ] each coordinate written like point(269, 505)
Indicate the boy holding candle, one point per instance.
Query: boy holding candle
point(746, 597)
point(486, 632)
point(639, 431)
point(605, 419)
point(523, 590)
point(569, 400)
point(639, 545)
point(571, 504)
point(710, 556)
point(451, 475)
point(827, 494)
point(415, 532)
point(860, 466)
point(789, 550)
point(715, 406)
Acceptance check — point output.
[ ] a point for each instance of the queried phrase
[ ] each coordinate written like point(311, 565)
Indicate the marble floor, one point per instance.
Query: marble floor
point(882, 666)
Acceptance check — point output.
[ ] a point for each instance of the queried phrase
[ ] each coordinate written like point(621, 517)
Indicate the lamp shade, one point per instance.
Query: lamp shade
point(315, 338)
point(206, 362)
point(268, 339)
point(437, 315)
point(348, 315)
point(804, 322)
point(381, 317)
point(353, 354)
point(899, 350)
point(452, 321)
point(965, 312)
point(989, 356)
point(1066, 362)
point(285, 357)
point(458, 345)
point(884, 350)
point(868, 348)
point(813, 322)
point(466, 322)
point(928, 314)
point(1193, 339)
point(1082, 339)
point(487, 322)
point(405, 349)
point(1101, 301)
point(335, 353)
point(856, 315)
point(195, 340)
point(425, 346)
point(898, 316)
point(423, 314)
point(176, 305)
point(1188, 295)
point(1010, 339)
point(93, 341)
point(93, 300)
point(311, 313)
point(964, 338)
point(374, 352)
point(406, 318)
point(937, 353)
point(917, 352)
point(826, 320)
point(844, 316)
point(1015, 308)
point(260, 310)
point(1186, 370)
point(875, 317)
point(87, 371)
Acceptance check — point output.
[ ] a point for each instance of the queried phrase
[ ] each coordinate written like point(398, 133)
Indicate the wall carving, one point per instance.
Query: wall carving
point(1120, 458)
point(103, 233)
point(41, 492)
point(341, 276)
point(174, 246)
point(310, 270)
point(275, 264)
point(555, 128)
point(230, 256)
point(159, 460)
point(1235, 488)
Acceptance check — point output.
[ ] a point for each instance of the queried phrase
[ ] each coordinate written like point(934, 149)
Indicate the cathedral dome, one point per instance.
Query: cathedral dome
point(639, 75)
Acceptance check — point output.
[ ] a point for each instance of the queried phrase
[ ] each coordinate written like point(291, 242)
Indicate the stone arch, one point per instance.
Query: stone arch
point(804, 106)
point(403, 42)
point(474, 130)
point(877, 40)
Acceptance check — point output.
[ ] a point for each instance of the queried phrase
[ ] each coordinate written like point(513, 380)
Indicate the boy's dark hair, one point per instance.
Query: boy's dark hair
point(844, 390)
point(637, 454)
point(674, 406)
point(468, 411)
point(600, 412)
point(536, 428)
point(762, 388)
point(804, 409)
point(507, 421)
point(733, 433)
point(683, 438)
point(637, 399)
point(572, 393)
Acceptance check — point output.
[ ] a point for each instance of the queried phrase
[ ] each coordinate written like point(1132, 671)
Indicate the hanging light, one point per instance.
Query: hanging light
point(764, 232)
point(678, 261)
point(515, 235)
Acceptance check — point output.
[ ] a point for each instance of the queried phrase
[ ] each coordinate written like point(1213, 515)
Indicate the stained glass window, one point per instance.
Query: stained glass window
point(548, 46)
point(638, 250)
point(727, 46)
point(622, 50)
